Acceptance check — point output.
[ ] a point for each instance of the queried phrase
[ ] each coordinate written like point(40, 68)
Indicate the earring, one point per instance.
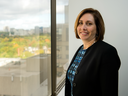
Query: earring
point(96, 35)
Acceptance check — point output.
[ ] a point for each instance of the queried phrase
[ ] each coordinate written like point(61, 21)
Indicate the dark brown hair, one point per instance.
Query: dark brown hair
point(100, 28)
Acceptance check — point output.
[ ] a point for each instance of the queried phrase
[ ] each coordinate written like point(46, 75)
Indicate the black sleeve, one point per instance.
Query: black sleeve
point(110, 64)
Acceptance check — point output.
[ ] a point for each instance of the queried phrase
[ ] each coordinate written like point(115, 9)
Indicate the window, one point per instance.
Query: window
point(63, 43)
point(67, 48)
point(25, 48)
point(33, 57)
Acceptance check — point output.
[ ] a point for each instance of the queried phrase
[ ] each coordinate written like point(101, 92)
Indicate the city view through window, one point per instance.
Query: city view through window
point(25, 46)
point(20, 43)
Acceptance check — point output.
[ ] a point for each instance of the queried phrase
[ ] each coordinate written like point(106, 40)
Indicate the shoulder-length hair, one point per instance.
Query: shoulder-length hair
point(100, 27)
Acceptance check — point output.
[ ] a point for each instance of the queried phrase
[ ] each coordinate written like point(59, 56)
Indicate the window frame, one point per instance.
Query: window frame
point(53, 48)
point(55, 88)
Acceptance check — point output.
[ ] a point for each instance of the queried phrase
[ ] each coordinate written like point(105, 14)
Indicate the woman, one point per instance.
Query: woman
point(93, 70)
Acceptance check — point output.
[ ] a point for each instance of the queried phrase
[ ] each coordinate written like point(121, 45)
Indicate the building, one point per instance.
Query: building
point(21, 32)
point(62, 46)
point(24, 77)
point(6, 29)
point(46, 29)
point(41, 30)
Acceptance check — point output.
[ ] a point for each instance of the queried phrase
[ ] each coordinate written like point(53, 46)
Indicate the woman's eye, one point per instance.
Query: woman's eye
point(89, 23)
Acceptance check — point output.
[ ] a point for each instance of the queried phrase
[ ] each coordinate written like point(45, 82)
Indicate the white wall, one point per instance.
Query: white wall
point(115, 15)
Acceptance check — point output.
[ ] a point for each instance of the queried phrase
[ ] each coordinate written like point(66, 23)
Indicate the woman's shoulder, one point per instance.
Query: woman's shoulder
point(105, 47)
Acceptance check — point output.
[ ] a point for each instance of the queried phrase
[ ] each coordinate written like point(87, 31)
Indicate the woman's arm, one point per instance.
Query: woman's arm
point(110, 64)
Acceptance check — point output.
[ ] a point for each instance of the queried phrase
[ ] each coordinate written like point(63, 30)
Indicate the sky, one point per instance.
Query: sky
point(26, 14)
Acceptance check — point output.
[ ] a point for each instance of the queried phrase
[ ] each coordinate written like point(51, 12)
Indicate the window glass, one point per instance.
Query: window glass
point(62, 38)
point(25, 48)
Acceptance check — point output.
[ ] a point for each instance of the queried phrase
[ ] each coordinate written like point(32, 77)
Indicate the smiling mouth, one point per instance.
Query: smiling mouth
point(84, 33)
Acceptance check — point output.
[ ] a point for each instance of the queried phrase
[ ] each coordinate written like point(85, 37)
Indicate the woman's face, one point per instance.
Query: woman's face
point(86, 28)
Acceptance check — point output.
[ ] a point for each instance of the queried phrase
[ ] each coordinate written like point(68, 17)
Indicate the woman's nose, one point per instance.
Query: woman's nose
point(84, 26)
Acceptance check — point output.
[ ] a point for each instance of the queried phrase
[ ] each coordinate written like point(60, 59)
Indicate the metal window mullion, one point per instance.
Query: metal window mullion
point(53, 47)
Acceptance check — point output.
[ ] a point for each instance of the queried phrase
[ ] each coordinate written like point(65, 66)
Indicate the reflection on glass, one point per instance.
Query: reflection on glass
point(25, 48)
point(62, 39)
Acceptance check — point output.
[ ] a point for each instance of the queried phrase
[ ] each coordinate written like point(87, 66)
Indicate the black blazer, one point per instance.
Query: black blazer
point(97, 73)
